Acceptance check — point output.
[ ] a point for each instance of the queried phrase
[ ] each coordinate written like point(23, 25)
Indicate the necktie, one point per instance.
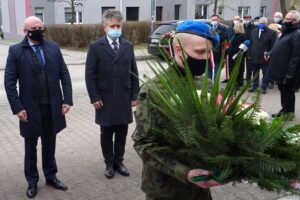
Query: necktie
point(115, 47)
point(39, 54)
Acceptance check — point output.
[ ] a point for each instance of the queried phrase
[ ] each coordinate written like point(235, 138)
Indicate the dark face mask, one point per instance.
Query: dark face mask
point(197, 66)
point(36, 35)
point(286, 26)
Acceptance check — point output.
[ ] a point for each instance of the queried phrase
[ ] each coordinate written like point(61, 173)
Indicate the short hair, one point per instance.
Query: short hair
point(296, 14)
point(215, 16)
point(111, 14)
point(263, 19)
point(278, 14)
point(239, 28)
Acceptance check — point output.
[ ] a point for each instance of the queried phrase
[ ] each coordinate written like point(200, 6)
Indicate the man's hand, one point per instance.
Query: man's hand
point(98, 105)
point(65, 108)
point(22, 115)
point(289, 77)
point(267, 58)
point(134, 103)
point(203, 184)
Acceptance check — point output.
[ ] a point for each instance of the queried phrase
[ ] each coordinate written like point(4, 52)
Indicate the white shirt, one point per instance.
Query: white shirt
point(110, 41)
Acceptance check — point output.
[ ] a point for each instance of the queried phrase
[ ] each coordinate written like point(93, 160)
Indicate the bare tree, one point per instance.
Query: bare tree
point(72, 5)
point(283, 7)
point(215, 7)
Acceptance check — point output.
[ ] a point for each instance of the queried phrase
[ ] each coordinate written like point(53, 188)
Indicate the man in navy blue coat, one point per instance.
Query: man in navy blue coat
point(43, 99)
point(112, 84)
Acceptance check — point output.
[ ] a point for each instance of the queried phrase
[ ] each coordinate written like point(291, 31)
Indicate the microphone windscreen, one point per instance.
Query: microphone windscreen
point(247, 43)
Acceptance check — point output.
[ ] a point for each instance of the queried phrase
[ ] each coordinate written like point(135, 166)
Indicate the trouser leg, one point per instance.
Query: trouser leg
point(120, 142)
point(255, 69)
point(48, 143)
point(30, 161)
point(106, 138)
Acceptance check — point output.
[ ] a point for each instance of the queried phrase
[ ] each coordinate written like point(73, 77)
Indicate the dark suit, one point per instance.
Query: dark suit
point(248, 30)
point(112, 78)
point(223, 33)
point(285, 61)
point(259, 45)
point(44, 120)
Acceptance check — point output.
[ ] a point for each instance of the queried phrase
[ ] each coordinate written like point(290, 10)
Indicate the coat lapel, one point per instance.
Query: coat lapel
point(106, 47)
point(122, 49)
point(28, 52)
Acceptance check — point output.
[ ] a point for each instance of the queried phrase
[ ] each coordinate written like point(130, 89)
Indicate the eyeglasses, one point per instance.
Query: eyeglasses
point(289, 19)
point(35, 28)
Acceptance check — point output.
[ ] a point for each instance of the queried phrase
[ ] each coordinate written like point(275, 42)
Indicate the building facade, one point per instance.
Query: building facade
point(13, 12)
point(227, 9)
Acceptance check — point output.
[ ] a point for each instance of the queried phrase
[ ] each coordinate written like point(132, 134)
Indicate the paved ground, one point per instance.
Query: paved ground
point(79, 157)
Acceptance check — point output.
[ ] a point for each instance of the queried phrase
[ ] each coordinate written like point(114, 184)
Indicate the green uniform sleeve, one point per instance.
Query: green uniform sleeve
point(145, 141)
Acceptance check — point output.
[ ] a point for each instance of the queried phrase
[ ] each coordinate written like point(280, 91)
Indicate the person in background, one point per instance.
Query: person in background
point(112, 82)
point(1, 32)
point(277, 19)
point(223, 33)
point(248, 26)
point(231, 33)
point(285, 62)
point(237, 39)
point(164, 177)
point(256, 21)
point(262, 40)
point(42, 101)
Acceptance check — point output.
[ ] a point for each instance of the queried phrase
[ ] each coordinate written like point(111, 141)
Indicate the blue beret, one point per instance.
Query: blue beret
point(197, 27)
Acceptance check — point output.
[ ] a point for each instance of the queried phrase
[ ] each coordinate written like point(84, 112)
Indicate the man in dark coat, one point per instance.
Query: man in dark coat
point(223, 33)
point(43, 99)
point(262, 40)
point(285, 62)
point(248, 26)
point(112, 83)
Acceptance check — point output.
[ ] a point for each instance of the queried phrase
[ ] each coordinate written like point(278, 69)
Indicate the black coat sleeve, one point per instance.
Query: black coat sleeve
point(134, 78)
point(10, 81)
point(65, 78)
point(91, 74)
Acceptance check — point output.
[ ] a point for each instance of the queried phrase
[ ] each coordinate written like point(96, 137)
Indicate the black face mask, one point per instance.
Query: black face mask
point(197, 66)
point(286, 26)
point(36, 35)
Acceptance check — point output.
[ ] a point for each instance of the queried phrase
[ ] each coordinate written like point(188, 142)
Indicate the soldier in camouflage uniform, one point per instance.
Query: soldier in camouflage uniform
point(163, 176)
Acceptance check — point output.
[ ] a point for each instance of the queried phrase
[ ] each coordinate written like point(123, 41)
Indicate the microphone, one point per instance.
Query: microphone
point(243, 48)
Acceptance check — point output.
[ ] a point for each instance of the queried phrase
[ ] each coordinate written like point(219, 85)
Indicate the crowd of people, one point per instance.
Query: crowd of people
point(273, 50)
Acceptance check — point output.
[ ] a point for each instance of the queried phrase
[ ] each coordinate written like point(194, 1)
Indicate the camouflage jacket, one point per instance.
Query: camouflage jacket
point(163, 176)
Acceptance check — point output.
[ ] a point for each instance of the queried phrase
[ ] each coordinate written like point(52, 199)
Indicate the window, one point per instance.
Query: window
point(77, 16)
point(159, 10)
point(103, 9)
point(39, 12)
point(132, 13)
point(242, 11)
point(68, 15)
point(263, 11)
point(177, 12)
point(220, 11)
point(201, 11)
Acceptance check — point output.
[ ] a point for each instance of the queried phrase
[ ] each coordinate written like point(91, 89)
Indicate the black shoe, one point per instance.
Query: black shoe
point(264, 91)
point(271, 85)
point(57, 184)
point(109, 171)
point(31, 190)
point(252, 90)
point(286, 116)
point(122, 169)
point(224, 81)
